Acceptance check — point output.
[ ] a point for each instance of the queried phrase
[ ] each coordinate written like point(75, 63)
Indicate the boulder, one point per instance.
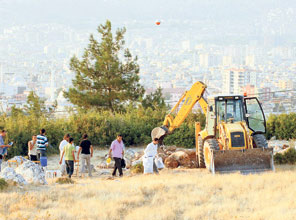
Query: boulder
point(163, 156)
point(32, 173)
point(129, 154)
point(9, 174)
point(138, 155)
point(136, 162)
point(170, 148)
point(171, 162)
point(182, 158)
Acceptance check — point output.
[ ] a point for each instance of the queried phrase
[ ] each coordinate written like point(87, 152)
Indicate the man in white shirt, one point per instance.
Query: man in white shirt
point(63, 143)
point(151, 151)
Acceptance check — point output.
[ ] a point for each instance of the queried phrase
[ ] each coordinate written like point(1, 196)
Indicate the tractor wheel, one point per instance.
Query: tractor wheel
point(260, 141)
point(200, 153)
point(209, 144)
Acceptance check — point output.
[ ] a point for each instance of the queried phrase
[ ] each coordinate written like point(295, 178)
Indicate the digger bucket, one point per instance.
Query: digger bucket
point(244, 161)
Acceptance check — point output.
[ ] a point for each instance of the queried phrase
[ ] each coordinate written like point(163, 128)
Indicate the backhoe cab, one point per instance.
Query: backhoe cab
point(233, 137)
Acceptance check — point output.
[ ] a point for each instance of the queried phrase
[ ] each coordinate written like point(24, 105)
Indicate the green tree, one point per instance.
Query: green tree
point(154, 100)
point(35, 105)
point(102, 80)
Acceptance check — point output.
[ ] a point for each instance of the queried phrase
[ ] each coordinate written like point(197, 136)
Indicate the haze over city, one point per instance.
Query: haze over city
point(232, 46)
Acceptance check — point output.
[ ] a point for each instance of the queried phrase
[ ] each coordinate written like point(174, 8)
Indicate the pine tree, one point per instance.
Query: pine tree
point(102, 80)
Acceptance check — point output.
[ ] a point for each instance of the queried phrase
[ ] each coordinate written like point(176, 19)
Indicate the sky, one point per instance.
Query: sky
point(76, 12)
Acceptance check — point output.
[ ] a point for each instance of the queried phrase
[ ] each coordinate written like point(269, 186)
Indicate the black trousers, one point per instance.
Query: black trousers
point(117, 166)
point(69, 167)
point(33, 157)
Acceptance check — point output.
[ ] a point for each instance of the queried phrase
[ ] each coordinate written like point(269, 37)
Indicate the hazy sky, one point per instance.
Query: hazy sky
point(81, 11)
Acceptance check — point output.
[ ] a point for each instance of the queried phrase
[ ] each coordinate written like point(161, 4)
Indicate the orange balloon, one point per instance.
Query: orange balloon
point(157, 22)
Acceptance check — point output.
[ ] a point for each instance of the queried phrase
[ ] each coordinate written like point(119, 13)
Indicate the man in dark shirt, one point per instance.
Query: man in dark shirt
point(86, 150)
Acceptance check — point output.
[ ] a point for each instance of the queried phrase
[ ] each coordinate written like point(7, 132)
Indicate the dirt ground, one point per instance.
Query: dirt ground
point(174, 194)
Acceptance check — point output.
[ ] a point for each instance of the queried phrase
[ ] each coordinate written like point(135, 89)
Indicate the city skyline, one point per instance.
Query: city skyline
point(196, 40)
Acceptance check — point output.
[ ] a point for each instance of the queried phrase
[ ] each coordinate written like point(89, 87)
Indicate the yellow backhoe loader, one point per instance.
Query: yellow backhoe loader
point(233, 139)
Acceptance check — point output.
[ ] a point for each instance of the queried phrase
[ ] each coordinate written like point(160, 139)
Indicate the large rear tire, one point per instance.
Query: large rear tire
point(209, 144)
point(201, 160)
point(260, 141)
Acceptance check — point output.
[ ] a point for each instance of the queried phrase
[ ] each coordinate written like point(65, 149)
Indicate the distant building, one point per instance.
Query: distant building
point(234, 80)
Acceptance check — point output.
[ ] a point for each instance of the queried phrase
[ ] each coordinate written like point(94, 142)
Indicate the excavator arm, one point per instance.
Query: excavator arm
point(187, 102)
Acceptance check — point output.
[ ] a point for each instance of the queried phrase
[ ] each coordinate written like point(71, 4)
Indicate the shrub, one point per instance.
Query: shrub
point(135, 125)
point(64, 180)
point(289, 157)
point(3, 184)
point(138, 168)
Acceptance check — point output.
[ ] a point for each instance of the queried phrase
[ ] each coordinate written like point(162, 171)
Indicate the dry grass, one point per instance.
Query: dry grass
point(174, 194)
point(64, 180)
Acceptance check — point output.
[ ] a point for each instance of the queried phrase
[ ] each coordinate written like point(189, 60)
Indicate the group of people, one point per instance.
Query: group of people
point(37, 149)
point(67, 155)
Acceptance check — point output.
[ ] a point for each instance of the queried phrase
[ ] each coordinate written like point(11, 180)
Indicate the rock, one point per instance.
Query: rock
point(285, 146)
point(168, 153)
point(171, 162)
point(8, 173)
point(138, 155)
point(182, 158)
point(102, 165)
point(170, 148)
point(191, 154)
point(32, 173)
point(163, 156)
point(104, 172)
point(134, 163)
point(129, 154)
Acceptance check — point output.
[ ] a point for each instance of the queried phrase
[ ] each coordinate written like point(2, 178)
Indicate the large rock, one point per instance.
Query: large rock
point(9, 174)
point(170, 148)
point(182, 158)
point(163, 156)
point(32, 173)
point(138, 155)
point(129, 154)
point(171, 162)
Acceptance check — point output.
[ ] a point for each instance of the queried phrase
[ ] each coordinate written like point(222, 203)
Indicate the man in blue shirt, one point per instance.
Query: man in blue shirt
point(42, 143)
point(3, 147)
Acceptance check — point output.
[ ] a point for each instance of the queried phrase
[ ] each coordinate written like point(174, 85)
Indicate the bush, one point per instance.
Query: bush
point(289, 157)
point(3, 184)
point(64, 180)
point(138, 168)
point(135, 125)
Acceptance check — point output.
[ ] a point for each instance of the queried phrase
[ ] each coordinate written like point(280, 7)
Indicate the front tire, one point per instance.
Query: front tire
point(260, 141)
point(209, 145)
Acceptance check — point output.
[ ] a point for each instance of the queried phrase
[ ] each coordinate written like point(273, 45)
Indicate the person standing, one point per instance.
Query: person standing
point(87, 151)
point(32, 148)
point(117, 152)
point(151, 152)
point(68, 151)
point(3, 147)
point(42, 144)
point(63, 143)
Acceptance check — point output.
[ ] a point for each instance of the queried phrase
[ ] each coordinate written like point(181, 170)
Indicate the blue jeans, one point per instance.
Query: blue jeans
point(4, 150)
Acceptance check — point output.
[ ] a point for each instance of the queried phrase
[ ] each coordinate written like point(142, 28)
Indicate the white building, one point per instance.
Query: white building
point(235, 79)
